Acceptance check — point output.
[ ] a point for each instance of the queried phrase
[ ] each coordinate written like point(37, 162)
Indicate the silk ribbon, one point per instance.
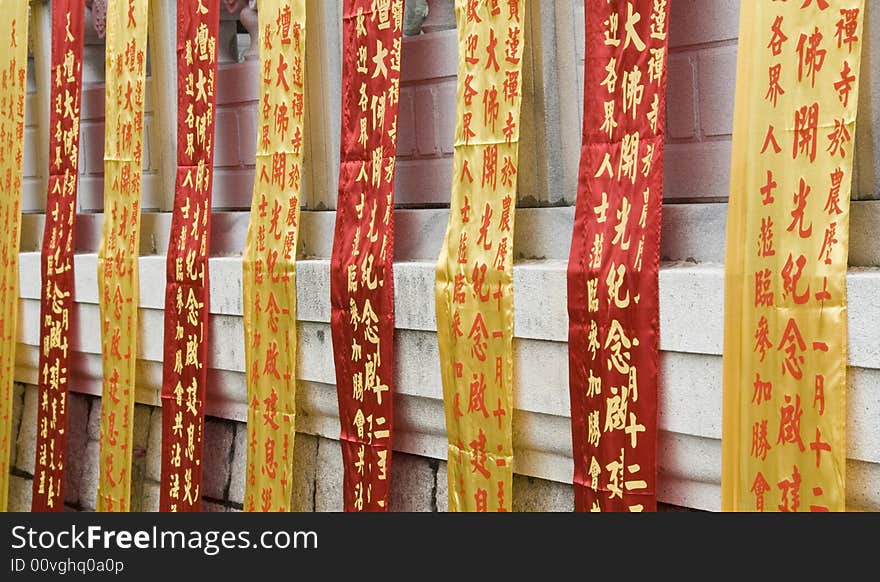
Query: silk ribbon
point(187, 299)
point(120, 244)
point(57, 295)
point(362, 279)
point(785, 340)
point(13, 85)
point(474, 275)
point(270, 258)
point(613, 303)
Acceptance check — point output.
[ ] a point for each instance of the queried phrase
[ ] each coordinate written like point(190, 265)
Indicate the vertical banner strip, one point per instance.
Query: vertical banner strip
point(785, 341)
point(57, 292)
point(270, 258)
point(362, 279)
point(13, 73)
point(120, 242)
point(187, 300)
point(613, 287)
point(474, 278)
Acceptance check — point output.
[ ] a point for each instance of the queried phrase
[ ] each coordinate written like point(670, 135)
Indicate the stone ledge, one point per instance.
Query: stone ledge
point(691, 299)
point(691, 232)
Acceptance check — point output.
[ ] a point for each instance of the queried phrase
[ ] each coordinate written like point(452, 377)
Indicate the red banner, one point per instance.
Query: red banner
point(56, 302)
point(613, 300)
point(362, 280)
point(186, 293)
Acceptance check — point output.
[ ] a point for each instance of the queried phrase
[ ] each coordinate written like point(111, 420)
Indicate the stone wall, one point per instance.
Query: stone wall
point(700, 105)
point(419, 483)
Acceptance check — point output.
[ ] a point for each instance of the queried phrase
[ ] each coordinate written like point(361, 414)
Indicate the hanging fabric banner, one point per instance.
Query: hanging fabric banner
point(474, 285)
point(613, 296)
point(13, 72)
point(270, 258)
point(187, 301)
point(785, 343)
point(362, 280)
point(56, 302)
point(120, 244)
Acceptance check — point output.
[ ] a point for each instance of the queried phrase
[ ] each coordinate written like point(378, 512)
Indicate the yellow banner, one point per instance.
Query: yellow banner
point(120, 242)
point(13, 70)
point(474, 285)
point(785, 345)
point(270, 258)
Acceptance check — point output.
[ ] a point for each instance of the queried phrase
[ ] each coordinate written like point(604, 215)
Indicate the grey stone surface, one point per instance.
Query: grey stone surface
point(141, 430)
point(77, 438)
point(216, 458)
point(154, 447)
point(413, 483)
point(442, 494)
point(328, 477)
point(95, 420)
point(239, 465)
point(20, 493)
point(305, 456)
point(88, 491)
point(150, 496)
point(17, 408)
point(211, 507)
point(27, 433)
point(414, 15)
point(532, 494)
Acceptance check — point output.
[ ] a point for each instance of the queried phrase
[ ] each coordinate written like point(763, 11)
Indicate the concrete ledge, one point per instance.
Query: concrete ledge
point(691, 232)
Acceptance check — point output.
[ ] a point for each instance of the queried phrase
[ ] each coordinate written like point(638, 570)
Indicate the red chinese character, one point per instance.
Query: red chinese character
point(819, 446)
point(847, 27)
point(763, 390)
point(477, 397)
point(762, 341)
point(838, 136)
point(845, 85)
point(763, 293)
point(790, 486)
point(806, 123)
point(774, 89)
point(777, 38)
point(790, 422)
point(791, 275)
point(478, 458)
point(760, 444)
point(810, 56)
point(759, 488)
point(767, 189)
point(797, 214)
point(765, 238)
